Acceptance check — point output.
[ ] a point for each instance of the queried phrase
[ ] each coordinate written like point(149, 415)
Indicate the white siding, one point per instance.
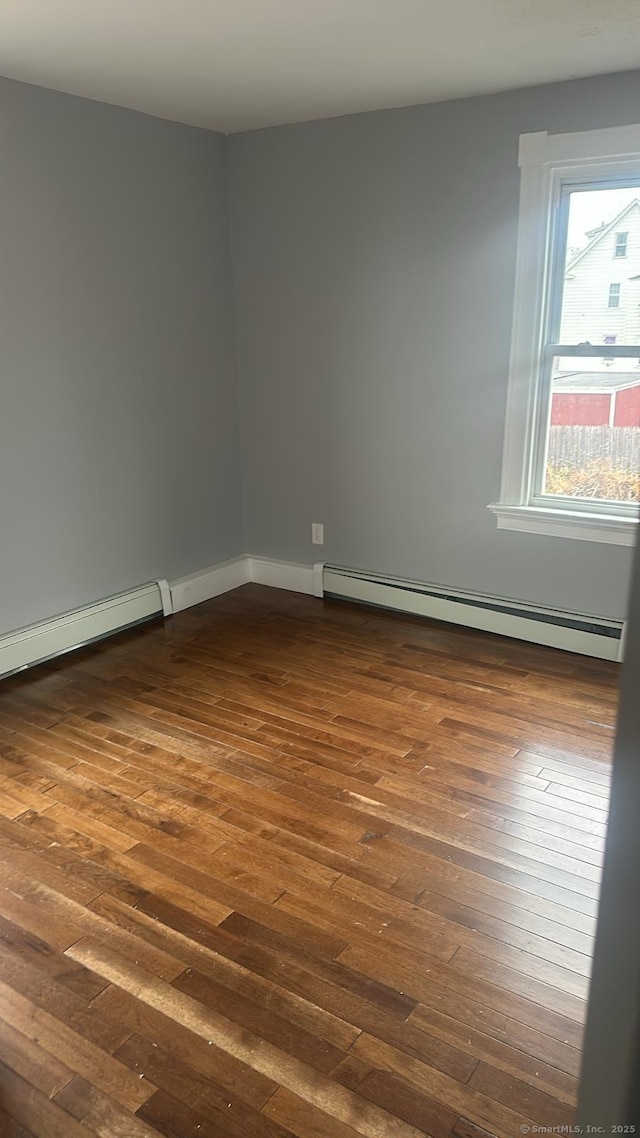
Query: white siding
point(586, 314)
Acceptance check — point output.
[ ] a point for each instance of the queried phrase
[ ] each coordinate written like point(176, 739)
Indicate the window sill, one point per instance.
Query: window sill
point(608, 528)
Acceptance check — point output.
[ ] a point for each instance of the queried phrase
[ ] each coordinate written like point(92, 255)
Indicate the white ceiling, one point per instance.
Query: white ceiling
point(233, 65)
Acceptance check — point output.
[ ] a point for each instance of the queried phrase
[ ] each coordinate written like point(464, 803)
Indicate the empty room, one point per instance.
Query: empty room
point(319, 620)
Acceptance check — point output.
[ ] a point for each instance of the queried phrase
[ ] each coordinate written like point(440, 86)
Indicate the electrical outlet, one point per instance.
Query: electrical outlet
point(317, 533)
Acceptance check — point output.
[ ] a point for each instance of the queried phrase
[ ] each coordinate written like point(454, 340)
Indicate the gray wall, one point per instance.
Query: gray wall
point(119, 456)
point(374, 262)
point(610, 1082)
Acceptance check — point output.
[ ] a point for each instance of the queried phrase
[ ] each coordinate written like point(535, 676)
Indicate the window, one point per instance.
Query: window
point(620, 249)
point(571, 464)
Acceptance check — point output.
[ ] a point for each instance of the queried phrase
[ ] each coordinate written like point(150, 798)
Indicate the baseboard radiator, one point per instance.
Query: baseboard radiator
point(51, 638)
point(572, 632)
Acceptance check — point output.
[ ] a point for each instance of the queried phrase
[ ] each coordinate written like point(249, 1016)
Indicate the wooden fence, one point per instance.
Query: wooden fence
point(577, 446)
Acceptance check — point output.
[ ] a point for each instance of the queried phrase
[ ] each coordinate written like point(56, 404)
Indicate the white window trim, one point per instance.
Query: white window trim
point(604, 528)
point(545, 159)
point(621, 245)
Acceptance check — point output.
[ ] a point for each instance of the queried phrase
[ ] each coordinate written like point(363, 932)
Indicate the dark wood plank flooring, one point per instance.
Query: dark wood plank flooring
point(282, 867)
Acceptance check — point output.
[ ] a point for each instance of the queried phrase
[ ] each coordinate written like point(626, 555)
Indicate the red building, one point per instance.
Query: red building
point(596, 399)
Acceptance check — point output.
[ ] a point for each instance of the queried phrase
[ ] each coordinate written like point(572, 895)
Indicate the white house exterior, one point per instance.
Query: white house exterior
point(601, 305)
point(602, 285)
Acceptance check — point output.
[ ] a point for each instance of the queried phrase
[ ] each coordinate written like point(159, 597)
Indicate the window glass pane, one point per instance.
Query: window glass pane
point(601, 288)
point(593, 436)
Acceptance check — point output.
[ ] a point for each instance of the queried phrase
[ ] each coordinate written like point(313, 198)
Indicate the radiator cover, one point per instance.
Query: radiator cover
point(49, 638)
point(572, 632)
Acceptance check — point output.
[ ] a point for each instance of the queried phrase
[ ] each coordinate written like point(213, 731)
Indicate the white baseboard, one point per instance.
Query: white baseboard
point(49, 638)
point(29, 646)
point(208, 583)
point(282, 575)
point(318, 579)
point(217, 579)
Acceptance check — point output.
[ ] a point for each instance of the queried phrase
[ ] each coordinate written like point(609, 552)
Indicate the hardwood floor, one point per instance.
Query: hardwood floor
point(282, 867)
